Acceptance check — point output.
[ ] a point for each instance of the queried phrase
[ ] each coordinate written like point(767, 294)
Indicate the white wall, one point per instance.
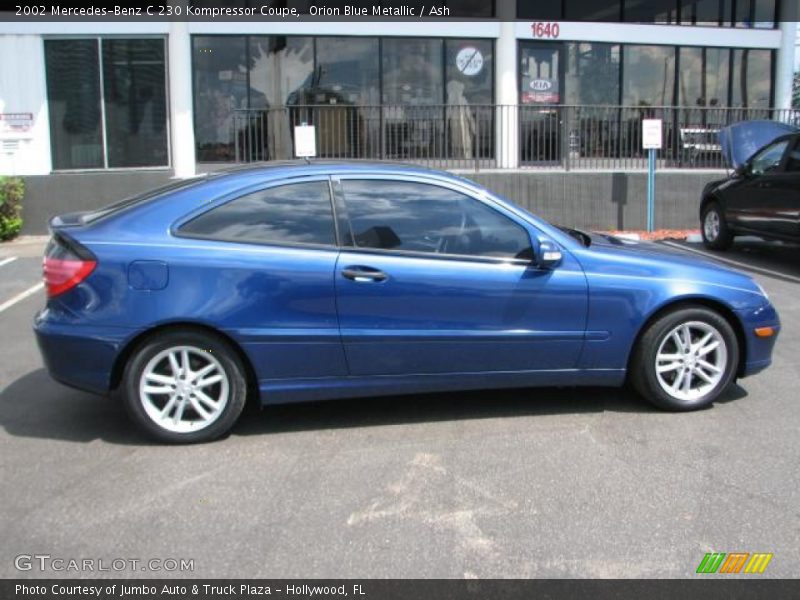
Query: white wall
point(22, 90)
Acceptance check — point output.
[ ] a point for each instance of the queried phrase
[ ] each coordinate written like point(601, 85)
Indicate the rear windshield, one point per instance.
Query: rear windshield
point(111, 209)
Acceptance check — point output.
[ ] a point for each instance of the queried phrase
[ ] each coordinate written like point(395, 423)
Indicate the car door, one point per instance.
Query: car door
point(437, 280)
point(784, 191)
point(752, 203)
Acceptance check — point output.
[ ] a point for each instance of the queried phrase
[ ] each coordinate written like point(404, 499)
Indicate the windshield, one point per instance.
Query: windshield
point(769, 158)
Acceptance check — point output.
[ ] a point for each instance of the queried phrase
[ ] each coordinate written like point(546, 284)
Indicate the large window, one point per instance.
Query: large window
point(135, 102)
point(299, 213)
point(367, 97)
point(703, 77)
point(592, 74)
point(751, 85)
point(412, 71)
point(416, 217)
point(220, 87)
point(648, 76)
point(107, 103)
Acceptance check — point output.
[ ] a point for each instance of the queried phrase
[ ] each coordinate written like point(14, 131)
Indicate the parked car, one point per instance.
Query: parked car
point(762, 195)
point(295, 282)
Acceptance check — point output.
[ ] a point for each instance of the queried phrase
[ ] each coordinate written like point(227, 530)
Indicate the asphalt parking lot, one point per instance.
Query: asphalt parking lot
point(525, 483)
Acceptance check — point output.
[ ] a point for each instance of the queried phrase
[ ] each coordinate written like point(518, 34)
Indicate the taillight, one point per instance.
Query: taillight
point(66, 264)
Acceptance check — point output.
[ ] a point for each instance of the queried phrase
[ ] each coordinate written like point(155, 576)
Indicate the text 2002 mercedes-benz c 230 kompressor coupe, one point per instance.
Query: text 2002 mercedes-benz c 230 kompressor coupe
point(298, 282)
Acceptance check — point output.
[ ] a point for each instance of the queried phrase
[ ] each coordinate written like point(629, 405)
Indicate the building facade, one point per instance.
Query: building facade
point(494, 87)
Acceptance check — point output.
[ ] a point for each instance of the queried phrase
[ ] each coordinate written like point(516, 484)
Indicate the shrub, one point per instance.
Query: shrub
point(12, 189)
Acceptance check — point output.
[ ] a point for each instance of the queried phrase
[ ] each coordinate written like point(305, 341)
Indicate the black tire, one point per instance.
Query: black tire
point(723, 238)
point(204, 346)
point(642, 373)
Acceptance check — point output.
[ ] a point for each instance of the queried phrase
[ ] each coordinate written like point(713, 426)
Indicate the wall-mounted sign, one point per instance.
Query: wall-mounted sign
point(305, 141)
point(651, 134)
point(541, 85)
point(540, 90)
point(16, 122)
point(469, 61)
point(545, 30)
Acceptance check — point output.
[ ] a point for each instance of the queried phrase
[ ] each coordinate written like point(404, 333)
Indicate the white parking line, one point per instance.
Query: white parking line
point(20, 297)
point(735, 263)
point(5, 261)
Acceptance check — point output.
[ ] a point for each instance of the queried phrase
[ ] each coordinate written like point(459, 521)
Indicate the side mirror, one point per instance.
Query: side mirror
point(549, 255)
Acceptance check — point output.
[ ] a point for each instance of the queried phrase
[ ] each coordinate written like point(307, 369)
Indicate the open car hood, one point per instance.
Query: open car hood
point(741, 140)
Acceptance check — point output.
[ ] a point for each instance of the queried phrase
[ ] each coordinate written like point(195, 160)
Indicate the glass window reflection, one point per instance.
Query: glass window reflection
point(288, 214)
point(135, 102)
point(73, 93)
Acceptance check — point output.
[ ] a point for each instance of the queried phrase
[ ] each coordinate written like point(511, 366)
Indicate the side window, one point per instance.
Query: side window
point(299, 213)
point(401, 215)
point(769, 159)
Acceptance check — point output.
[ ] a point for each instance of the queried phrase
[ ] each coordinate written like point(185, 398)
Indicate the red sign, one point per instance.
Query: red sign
point(547, 31)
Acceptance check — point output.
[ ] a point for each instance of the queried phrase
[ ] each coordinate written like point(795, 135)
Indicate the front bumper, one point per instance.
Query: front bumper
point(758, 353)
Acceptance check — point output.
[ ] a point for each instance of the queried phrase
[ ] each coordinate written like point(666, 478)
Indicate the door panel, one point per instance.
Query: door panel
point(429, 315)
point(754, 201)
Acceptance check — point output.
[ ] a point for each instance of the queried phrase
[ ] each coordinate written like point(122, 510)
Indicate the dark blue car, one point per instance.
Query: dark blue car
point(294, 282)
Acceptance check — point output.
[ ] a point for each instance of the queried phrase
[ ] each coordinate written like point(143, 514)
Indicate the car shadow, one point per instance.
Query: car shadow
point(35, 406)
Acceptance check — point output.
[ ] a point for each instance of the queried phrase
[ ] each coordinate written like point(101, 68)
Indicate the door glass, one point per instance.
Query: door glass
point(401, 215)
point(540, 96)
point(540, 79)
point(769, 159)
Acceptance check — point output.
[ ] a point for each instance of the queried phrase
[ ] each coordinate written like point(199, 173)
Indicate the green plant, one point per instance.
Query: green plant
point(12, 189)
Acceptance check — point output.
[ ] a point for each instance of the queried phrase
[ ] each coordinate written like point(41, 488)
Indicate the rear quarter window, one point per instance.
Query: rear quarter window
point(297, 213)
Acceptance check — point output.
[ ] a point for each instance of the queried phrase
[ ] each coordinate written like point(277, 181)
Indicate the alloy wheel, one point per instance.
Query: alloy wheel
point(184, 389)
point(691, 360)
point(711, 225)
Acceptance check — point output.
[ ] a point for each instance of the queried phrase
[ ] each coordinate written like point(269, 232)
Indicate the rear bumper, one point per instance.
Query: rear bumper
point(79, 356)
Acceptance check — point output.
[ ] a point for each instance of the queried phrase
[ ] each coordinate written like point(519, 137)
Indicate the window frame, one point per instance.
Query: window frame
point(175, 229)
point(167, 99)
point(487, 201)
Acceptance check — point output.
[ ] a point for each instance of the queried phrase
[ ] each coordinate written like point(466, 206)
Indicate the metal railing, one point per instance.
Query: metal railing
point(493, 136)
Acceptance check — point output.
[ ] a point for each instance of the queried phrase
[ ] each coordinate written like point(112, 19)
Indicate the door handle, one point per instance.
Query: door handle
point(363, 274)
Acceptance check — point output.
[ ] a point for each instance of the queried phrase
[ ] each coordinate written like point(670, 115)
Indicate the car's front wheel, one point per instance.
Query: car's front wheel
point(185, 386)
point(685, 359)
point(716, 233)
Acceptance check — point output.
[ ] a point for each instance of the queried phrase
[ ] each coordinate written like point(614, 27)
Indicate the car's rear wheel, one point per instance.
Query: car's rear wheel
point(685, 359)
point(716, 233)
point(185, 386)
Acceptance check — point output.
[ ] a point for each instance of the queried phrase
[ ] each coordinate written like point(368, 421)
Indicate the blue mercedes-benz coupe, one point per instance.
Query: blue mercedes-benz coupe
point(294, 281)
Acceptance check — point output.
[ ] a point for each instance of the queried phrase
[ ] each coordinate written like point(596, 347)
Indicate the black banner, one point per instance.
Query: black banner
point(397, 589)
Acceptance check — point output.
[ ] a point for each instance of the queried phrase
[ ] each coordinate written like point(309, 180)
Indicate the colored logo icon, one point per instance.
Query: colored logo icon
point(734, 562)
